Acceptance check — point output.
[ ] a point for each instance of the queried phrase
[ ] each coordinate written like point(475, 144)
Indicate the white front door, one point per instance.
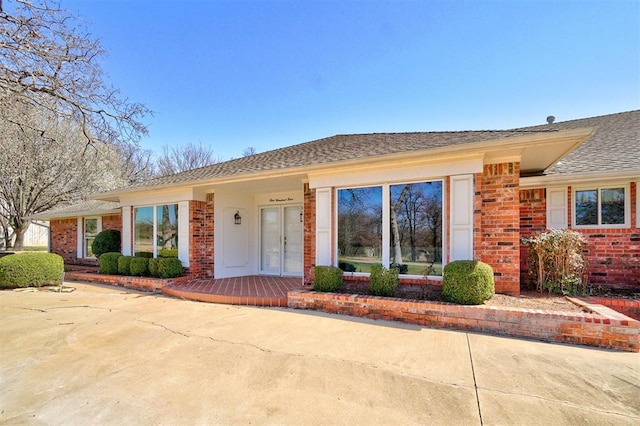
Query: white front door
point(281, 240)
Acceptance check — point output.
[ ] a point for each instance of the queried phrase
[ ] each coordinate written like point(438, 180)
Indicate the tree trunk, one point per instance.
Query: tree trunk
point(397, 248)
point(19, 233)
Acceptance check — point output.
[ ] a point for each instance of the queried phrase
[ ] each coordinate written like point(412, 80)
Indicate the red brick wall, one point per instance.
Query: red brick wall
point(201, 238)
point(499, 244)
point(309, 237)
point(613, 254)
point(112, 222)
point(64, 238)
point(533, 211)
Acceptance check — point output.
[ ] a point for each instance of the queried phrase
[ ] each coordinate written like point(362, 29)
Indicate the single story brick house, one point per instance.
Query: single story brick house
point(418, 200)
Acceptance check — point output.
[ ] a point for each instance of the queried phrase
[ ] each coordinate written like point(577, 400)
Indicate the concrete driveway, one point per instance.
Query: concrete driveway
point(105, 355)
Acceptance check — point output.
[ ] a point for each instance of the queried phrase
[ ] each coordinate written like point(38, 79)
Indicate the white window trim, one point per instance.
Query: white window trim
point(627, 206)
point(386, 232)
point(84, 233)
point(183, 255)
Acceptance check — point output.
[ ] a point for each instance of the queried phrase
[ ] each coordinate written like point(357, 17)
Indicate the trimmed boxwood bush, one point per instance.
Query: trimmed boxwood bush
point(109, 263)
point(31, 270)
point(467, 282)
point(168, 253)
point(124, 265)
point(153, 267)
point(327, 278)
point(383, 281)
point(107, 241)
point(169, 267)
point(139, 266)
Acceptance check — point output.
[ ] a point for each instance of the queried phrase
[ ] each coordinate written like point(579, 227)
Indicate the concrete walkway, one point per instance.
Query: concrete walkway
point(105, 355)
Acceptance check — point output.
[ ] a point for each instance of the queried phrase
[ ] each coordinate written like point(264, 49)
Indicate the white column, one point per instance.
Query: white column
point(80, 239)
point(183, 233)
point(127, 236)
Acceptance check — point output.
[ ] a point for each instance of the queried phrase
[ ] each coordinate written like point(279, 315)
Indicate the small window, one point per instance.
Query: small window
point(601, 207)
point(91, 229)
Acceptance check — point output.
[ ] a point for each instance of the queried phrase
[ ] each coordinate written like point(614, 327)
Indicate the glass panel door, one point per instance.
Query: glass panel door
point(281, 240)
point(270, 240)
point(292, 240)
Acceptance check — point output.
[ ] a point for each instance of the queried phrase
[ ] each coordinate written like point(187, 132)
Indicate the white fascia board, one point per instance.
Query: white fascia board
point(399, 171)
point(573, 179)
point(153, 196)
point(71, 215)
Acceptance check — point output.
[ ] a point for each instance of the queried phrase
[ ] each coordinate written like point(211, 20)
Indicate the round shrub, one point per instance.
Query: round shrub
point(153, 267)
point(139, 266)
point(31, 270)
point(169, 267)
point(467, 282)
point(124, 265)
point(327, 278)
point(383, 281)
point(168, 253)
point(109, 263)
point(107, 241)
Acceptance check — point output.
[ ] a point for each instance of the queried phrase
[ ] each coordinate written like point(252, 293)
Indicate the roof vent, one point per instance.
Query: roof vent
point(550, 119)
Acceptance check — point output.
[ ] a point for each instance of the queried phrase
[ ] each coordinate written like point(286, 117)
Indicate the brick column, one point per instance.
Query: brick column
point(201, 238)
point(64, 238)
point(500, 224)
point(309, 237)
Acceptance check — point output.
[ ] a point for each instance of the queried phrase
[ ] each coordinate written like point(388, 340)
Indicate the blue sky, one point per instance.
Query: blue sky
point(267, 74)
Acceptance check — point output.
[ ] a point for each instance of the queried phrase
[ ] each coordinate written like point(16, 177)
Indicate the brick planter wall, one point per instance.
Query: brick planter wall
point(137, 283)
point(628, 307)
point(613, 331)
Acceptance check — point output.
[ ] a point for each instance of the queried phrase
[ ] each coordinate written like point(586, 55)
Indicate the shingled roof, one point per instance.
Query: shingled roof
point(615, 146)
point(335, 149)
point(81, 208)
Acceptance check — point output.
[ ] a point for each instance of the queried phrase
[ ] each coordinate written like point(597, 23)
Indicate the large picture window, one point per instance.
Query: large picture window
point(409, 227)
point(601, 207)
point(359, 228)
point(155, 229)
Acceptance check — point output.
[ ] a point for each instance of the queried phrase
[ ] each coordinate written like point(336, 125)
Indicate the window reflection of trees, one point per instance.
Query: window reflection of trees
point(415, 224)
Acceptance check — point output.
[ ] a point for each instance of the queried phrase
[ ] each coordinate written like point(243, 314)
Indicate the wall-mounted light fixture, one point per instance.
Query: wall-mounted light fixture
point(301, 215)
point(237, 218)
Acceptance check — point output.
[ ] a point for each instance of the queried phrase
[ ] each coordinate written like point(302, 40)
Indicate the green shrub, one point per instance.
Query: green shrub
point(383, 281)
point(168, 253)
point(467, 282)
point(169, 267)
point(109, 263)
point(124, 265)
point(146, 254)
point(327, 278)
point(107, 241)
point(153, 267)
point(139, 266)
point(31, 270)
